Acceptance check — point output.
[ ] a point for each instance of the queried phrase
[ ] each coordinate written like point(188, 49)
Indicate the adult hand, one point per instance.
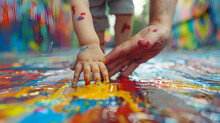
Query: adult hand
point(140, 48)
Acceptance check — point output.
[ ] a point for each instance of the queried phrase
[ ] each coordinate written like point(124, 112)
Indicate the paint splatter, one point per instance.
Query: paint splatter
point(167, 88)
point(81, 17)
point(83, 49)
point(125, 27)
point(73, 10)
point(155, 30)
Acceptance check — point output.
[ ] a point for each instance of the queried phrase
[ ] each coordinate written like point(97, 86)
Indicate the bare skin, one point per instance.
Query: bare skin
point(123, 29)
point(149, 42)
point(90, 58)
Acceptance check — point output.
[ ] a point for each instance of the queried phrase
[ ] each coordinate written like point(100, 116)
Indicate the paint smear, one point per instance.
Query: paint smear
point(172, 87)
point(81, 16)
point(125, 27)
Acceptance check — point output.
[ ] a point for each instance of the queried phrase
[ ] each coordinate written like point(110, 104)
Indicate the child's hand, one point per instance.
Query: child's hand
point(139, 49)
point(90, 58)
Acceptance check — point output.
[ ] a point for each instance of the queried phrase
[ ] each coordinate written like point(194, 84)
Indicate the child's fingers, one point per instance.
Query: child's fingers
point(74, 65)
point(96, 72)
point(87, 73)
point(104, 72)
point(77, 73)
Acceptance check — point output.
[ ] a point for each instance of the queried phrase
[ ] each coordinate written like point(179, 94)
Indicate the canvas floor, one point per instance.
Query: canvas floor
point(172, 87)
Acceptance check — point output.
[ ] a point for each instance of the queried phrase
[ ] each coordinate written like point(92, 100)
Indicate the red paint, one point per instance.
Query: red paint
point(6, 23)
point(83, 13)
point(127, 85)
point(155, 30)
point(81, 16)
point(125, 26)
point(144, 43)
point(122, 52)
point(73, 10)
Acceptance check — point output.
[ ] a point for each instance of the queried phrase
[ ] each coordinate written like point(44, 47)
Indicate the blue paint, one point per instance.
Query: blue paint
point(45, 116)
point(83, 49)
point(79, 18)
point(44, 93)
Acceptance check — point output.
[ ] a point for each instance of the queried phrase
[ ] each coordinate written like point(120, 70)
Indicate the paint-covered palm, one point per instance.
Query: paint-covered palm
point(90, 58)
point(140, 48)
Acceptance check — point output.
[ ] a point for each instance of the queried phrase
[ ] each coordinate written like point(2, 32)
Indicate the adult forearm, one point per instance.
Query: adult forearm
point(82, 22)
point(162, 11)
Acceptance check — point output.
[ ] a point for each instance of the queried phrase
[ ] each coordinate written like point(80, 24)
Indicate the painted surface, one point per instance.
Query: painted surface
point(32, 24)
point(196, 24)
point(172, 87)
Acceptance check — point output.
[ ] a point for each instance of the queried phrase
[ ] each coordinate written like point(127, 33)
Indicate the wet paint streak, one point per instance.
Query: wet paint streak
point(83, 49)
point(166, 89)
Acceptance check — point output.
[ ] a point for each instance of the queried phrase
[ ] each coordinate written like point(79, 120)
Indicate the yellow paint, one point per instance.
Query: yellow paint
point(92, 91)
point(11, 110)
point(34, 46)
point(16, 65)
point(77, 109)
point(103, 91)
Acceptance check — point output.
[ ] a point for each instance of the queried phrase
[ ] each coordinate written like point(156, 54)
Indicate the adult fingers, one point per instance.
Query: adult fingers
point(130, 68)
point(104, 72)
point(120, 51)
point(87, 73)
point(96, 72)
point(115, 63)
point(119, 67)
point(77, 73)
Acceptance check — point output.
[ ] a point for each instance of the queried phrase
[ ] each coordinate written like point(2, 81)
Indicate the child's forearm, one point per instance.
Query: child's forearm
point(82, 23)
point(162, 11)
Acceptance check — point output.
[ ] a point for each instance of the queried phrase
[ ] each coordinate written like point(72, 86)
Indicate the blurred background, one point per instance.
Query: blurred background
point(39, 25)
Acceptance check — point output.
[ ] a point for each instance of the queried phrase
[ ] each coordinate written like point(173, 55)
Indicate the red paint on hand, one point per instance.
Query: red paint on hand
point(125, 26)
point(155, 30)
point(144, 43)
